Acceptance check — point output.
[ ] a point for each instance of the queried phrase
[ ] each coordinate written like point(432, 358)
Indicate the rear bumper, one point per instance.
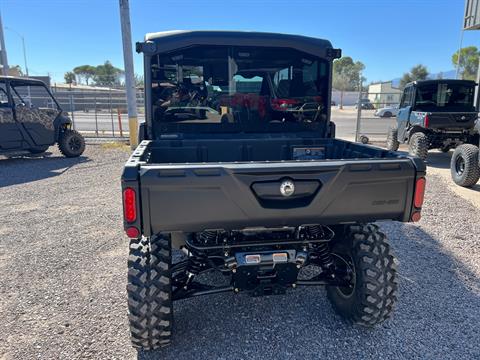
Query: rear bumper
point(195, 197)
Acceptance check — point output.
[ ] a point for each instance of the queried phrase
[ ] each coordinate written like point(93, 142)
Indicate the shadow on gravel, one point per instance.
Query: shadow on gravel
point(24, 169)
point(436, 316)
point(439, 160)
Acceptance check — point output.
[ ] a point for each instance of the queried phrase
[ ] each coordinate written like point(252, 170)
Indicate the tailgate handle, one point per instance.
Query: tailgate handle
point(285, 189)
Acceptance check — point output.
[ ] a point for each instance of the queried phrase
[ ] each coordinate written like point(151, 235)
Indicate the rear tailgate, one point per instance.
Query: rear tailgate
point(446, 120)
point(238, 195)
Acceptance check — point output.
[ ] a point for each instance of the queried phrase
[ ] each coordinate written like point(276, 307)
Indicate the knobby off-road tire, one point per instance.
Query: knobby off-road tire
point(372, 298)
point(71, 143)
point(464, 166)
point(418, 145)
point(149, 291)
point(392, 139)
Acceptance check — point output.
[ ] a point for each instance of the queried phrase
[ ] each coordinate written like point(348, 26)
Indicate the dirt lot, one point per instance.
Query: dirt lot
point(63, 273)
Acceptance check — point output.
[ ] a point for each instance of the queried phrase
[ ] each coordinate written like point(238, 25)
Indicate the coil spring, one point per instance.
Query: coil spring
point(196, 262)
point(207, 236)
point(322, 249)
point(324, 255)
point(314, 231)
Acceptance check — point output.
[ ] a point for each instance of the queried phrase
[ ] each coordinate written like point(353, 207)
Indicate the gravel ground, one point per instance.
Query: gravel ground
point(63, 273)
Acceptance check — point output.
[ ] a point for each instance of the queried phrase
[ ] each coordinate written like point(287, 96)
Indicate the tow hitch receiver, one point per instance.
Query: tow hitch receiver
point(267, 272)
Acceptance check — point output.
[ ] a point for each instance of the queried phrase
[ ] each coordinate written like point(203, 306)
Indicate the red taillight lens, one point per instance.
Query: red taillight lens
point(426, 121)
point(419, 192)
point(129, 205)
point(133, 232)
point(283, 104)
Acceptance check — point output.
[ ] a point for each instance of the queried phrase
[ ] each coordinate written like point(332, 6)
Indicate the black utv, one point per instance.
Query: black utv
point(435, 114)
point(240, 172)
point(31, 119)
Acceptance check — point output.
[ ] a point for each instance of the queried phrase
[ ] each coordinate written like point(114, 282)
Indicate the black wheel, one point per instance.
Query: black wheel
point(71, 143)
point(149, 291)
point(392, 139)
point(387, 114)
point(418, 145)
point(202, 114)
point(371, 298)
point(464, 166)
point(38, 149)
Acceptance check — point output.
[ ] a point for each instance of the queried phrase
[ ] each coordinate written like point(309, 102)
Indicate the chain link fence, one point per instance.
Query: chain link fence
point(375, 114)
point(98, 113)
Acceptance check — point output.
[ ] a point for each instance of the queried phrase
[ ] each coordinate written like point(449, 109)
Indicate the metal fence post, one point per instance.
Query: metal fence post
point(72, 110)
point(120, 122)
point(96, 119)
point(359, 114)
point(111, 112)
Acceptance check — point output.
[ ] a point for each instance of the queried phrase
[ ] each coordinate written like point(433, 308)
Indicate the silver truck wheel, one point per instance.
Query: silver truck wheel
point(374, 292)
point(149, 291)
point(464, 166)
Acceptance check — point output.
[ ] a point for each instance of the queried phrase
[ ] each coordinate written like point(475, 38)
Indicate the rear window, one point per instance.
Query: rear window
point(239, 89)
point(444, 97)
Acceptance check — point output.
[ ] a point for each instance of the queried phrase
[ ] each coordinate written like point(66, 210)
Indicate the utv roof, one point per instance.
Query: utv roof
point(167, 41)
point(436, 81)
point(19, 80)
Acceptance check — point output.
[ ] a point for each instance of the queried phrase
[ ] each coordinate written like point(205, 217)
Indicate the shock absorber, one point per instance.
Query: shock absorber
point(324, 256)
point(196, 262)
point(207, 237)
point(322, 250)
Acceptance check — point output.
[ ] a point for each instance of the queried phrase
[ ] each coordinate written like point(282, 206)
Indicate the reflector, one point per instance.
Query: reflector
point(133, 232)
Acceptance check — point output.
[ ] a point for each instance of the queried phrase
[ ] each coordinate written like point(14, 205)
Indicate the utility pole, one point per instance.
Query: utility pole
point(23, 47)
point(129, 72)
point(3, 49)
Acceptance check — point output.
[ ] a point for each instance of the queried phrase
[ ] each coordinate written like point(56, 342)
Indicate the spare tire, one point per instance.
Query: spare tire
point(464, 166)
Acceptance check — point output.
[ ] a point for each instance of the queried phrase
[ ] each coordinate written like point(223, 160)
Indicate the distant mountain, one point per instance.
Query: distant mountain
point(450, 74)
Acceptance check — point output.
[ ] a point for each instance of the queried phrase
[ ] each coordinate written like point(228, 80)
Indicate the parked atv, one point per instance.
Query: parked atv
point(31, 119)
point(465, 163)
point(435, 114)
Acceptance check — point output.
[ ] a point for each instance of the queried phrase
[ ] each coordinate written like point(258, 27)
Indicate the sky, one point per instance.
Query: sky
point(388, 36)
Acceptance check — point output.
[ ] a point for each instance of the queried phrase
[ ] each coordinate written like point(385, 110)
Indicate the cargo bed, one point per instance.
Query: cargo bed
point(219, 183)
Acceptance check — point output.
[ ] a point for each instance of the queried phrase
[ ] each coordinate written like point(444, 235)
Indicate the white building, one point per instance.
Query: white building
point(384, 94)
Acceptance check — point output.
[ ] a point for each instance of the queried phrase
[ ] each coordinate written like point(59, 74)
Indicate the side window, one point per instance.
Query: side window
point(3, 96)
point(407, 97)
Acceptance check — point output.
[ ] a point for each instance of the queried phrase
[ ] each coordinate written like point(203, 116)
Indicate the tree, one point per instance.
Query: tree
point(15, 70)
point(139, 83)
point(85, 72)
point(69, 77)
point(347, 75)
point(468, 62)
point(418, 72)
point(107, 75)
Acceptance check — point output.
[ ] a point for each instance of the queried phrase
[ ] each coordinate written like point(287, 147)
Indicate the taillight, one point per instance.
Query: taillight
point(419, 192)
point(129, 205)
point(426, 121)
point(283, 104)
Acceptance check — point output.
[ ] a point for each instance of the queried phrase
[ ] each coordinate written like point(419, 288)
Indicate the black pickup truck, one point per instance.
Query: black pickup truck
point(239, 170)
